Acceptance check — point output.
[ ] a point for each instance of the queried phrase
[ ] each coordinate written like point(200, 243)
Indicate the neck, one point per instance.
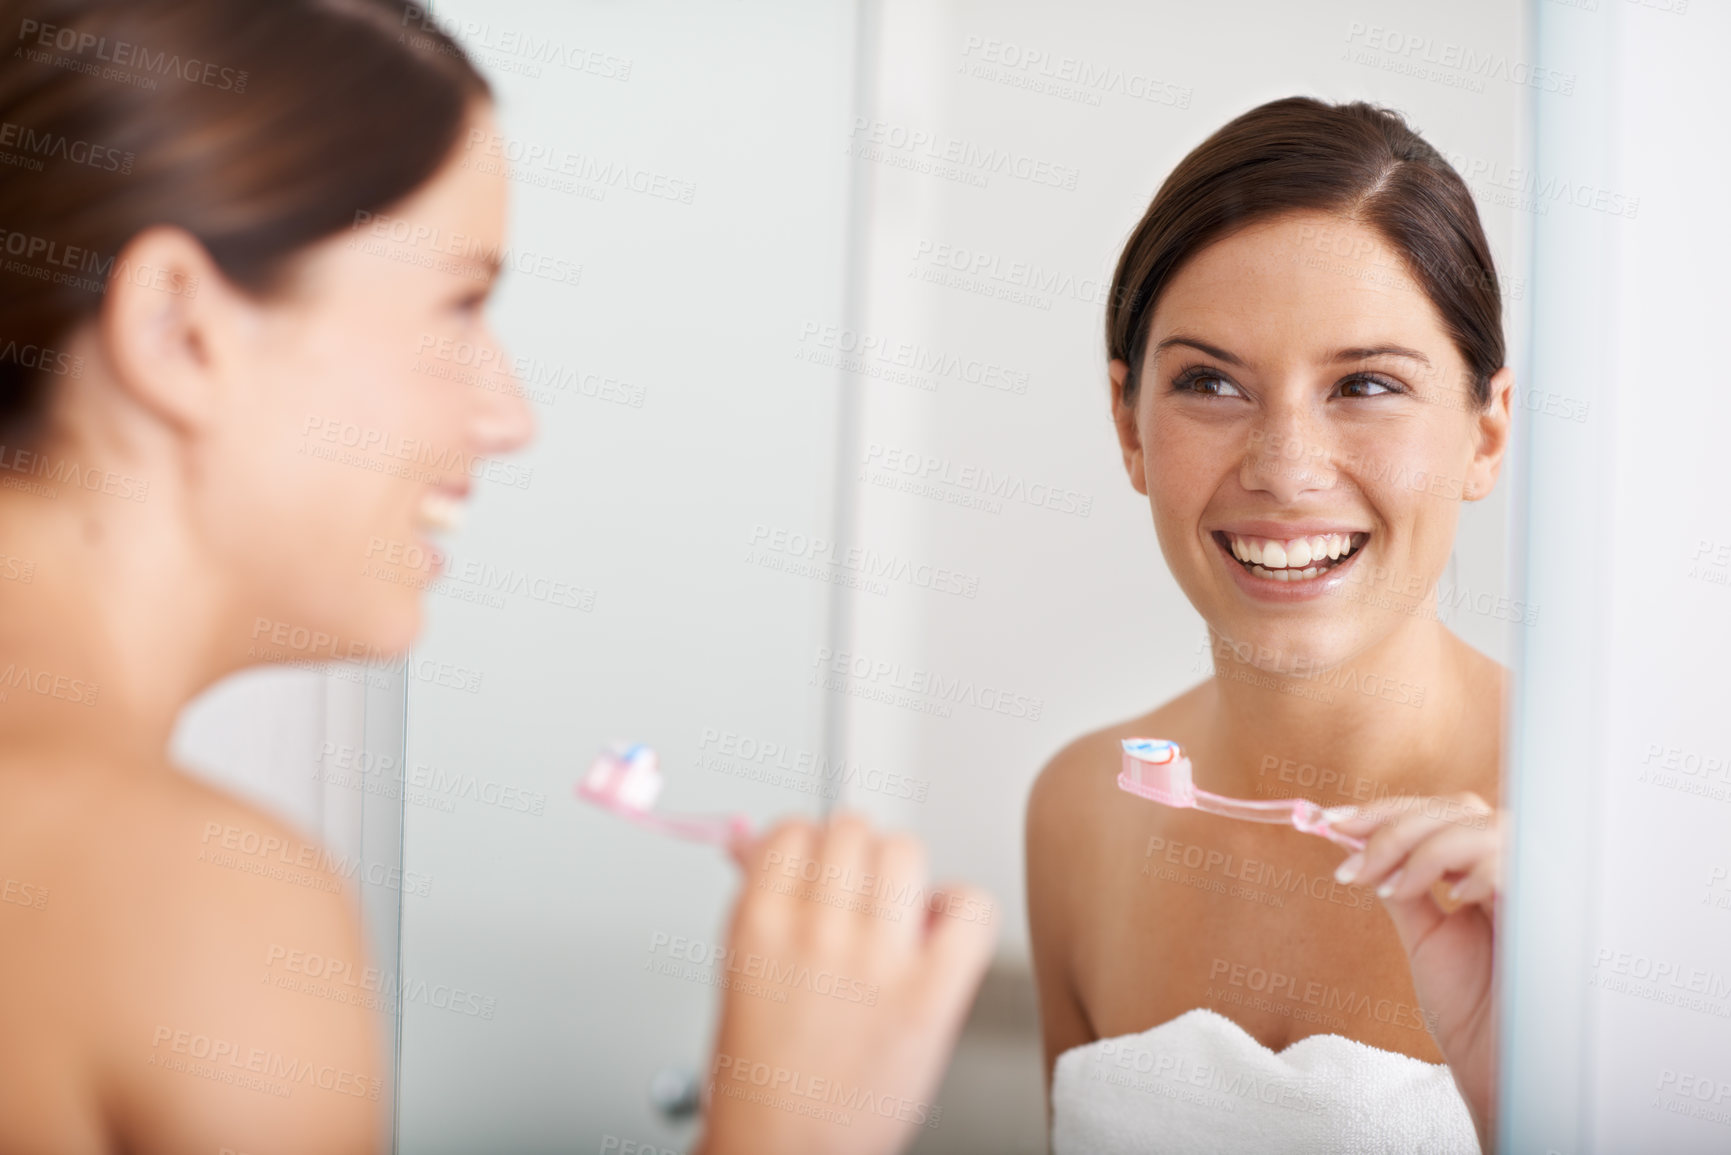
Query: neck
point(111, 617)
point(1387, 721)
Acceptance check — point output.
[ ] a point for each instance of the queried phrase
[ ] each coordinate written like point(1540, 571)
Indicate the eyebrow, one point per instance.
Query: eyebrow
point(1363, 353)
point(1211, 350)
point(1366, 353)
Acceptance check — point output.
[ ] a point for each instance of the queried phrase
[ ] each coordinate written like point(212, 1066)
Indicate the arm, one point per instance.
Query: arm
point(1053, 865)
point(905, 963)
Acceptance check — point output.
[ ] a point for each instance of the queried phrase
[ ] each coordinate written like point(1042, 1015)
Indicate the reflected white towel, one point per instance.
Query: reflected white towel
point(1202, 1083)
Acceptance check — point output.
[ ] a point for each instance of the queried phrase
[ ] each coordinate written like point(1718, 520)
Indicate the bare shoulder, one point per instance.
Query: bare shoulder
point(1074, 832)
point(177, 913)
point(1082, 776)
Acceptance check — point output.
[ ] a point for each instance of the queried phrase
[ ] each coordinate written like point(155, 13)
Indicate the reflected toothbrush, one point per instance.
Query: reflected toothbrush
point(1157, 770)
point(626, 779)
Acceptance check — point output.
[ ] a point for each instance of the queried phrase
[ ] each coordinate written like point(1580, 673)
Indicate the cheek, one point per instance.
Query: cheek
point(340, 423)
point(325, 476)
point(371, 394)
point(1415, 470)
point(1433, 518)
point(1413, 479)
point(1184, 464)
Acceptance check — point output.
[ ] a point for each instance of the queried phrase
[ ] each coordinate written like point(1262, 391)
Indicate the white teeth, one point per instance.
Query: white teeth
point(1294, 560)
point(441, 513)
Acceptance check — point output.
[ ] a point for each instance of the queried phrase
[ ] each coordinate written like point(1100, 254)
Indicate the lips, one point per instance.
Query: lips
point(1281, 561)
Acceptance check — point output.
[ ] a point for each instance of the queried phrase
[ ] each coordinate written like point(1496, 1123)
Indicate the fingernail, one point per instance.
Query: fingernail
point(1339, 813)
point(1349, 869)
point(1389, 883)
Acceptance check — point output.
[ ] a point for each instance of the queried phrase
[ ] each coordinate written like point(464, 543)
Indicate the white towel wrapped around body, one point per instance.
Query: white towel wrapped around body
point(1202, 1083)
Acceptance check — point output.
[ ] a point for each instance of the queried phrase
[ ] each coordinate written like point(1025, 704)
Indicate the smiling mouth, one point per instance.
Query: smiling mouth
point(1294, 559)
point(440, 512)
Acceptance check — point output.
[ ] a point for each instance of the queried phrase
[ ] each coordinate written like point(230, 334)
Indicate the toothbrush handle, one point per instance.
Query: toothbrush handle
point(1299, 813)
point(718, 830)
point(1324, 830)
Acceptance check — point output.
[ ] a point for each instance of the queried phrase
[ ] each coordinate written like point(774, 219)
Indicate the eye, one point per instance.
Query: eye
point(1206, 382)
point(1369, 385)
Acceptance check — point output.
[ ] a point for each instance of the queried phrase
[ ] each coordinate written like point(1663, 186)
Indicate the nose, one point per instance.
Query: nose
point(504, 421)
point(1287, 456)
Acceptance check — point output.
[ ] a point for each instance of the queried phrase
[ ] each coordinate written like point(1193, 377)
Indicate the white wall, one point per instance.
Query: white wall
point(258, 735)
point(1618, 968)
point(661, 623)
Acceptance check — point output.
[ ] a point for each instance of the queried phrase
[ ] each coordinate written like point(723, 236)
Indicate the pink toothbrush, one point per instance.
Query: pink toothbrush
point(626, 779)
point(1158, 770)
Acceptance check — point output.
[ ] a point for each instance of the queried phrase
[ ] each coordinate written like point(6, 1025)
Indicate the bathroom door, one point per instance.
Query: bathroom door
point(679, 220)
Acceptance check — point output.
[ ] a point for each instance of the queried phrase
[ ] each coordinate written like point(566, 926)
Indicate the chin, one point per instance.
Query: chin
point(394, 628)
point(1293, 647)
point(366, 628)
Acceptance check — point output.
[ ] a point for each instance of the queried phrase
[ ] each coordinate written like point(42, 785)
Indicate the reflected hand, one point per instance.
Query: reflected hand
point(850, 981)
point(1412, 845)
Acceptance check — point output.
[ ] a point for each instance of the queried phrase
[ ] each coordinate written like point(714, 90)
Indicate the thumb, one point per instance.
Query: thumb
point(1414, 919)
point(962, 929)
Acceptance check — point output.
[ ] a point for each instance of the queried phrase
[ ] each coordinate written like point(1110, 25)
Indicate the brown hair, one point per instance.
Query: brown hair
point(1355, 160)
point(258, 126)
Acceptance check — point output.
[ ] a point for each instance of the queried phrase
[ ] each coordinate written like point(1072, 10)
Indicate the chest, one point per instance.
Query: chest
point(48, 1094)
point(1249, 923)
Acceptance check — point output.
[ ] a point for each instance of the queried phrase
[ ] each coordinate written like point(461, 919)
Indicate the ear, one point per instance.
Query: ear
point(1491, 430)
point(159, 326)
point(1124, 417)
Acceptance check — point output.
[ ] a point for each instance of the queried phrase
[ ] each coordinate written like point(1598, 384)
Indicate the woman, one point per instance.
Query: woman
point(231, 227)
point(1307, 378)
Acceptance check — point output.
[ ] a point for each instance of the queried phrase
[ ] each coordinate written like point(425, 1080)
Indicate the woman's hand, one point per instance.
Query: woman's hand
point(1413, 844)
point(849, 981)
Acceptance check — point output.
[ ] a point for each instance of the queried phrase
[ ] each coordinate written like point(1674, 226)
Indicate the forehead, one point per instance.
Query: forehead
point(470, 191)
point(450, 230)
point(1297, 286)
